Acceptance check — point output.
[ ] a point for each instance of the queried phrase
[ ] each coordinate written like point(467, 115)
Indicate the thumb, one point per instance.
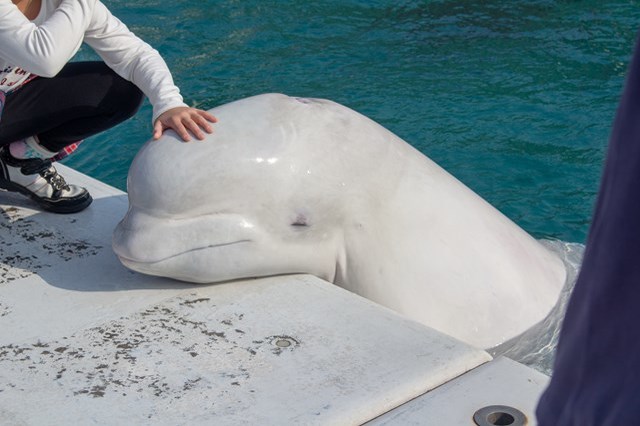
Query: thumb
point(157, 130)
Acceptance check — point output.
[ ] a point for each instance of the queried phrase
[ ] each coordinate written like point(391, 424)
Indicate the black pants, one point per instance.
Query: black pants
point(84, 99)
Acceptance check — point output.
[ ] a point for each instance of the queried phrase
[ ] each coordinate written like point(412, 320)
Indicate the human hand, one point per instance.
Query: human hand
point(182, 120)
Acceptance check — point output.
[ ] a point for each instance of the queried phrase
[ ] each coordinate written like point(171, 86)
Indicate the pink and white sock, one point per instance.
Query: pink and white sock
point(29, 148)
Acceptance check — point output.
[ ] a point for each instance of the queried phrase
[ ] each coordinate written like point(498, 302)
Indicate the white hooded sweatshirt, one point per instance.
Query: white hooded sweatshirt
point(45, 45)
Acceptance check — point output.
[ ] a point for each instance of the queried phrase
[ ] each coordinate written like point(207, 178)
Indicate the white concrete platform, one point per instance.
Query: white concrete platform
point(85, 341)
point(498, 383)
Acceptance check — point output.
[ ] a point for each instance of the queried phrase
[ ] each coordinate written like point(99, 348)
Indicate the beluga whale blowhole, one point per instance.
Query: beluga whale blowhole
point(289, 185)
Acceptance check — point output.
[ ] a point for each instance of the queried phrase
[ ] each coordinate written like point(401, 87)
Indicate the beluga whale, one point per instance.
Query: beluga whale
point(290, 185)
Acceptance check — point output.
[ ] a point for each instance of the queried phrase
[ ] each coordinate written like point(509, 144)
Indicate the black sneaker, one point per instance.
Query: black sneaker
point(38, 179)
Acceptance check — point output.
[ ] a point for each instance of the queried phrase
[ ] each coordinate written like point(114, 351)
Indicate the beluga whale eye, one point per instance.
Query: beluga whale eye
point(300, 221)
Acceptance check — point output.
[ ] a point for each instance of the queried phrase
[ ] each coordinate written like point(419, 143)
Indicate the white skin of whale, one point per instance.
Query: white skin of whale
point(287, 185)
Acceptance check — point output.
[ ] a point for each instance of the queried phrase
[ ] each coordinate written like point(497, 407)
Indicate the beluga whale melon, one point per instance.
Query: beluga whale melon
point(290, 185)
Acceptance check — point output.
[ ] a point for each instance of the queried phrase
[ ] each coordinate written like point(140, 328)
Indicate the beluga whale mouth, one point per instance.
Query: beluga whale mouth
point(182, 253)
point(288, 185)
point(161, 236)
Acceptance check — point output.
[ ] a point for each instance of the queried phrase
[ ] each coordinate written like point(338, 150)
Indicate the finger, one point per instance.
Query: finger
point(195, 129)
point(181, 130)
point(208, 116)
point(157, 130)
point(203, 123)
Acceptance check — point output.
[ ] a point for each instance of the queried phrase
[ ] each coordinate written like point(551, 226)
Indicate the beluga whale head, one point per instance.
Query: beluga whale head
point(250, 201)
point(290, 185)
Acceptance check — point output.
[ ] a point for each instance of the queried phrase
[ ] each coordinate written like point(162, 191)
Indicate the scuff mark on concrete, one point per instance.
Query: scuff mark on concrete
point(131, 354)
point(28, 246)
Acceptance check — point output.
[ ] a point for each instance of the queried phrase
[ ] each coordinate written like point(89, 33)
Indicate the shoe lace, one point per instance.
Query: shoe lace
point(55, 180)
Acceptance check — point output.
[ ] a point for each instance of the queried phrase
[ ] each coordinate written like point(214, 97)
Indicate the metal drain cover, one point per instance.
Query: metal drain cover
point(499, 415)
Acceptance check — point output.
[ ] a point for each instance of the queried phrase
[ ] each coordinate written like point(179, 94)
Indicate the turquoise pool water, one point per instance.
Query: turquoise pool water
point(515, 98)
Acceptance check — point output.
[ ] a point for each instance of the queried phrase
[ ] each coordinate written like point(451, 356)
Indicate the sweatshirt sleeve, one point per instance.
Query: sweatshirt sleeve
point(43, 49)
point(133, 59)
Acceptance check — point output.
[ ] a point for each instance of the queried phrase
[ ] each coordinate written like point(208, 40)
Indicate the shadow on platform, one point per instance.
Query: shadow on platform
point(71, 252)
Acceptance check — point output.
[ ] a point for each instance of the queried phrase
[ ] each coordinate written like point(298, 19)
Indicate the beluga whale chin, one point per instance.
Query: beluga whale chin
point(288, 185)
